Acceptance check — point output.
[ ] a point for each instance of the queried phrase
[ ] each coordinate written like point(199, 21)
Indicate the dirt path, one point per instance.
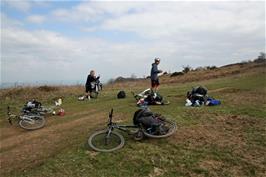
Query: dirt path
point(33, 147)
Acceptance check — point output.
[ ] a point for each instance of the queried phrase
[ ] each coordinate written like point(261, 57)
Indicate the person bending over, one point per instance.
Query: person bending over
point(91, 79)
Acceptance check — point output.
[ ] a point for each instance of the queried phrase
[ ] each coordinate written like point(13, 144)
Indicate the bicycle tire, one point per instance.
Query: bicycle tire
point(102, 132)
point(172, 131)
point(23, 123)
point(165, 102)
point(94, 95)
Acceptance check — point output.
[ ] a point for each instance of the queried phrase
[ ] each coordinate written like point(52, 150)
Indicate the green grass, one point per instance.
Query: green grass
point(243, 96)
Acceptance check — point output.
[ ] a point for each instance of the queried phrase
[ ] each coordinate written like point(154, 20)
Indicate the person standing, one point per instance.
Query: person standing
point(154, 75)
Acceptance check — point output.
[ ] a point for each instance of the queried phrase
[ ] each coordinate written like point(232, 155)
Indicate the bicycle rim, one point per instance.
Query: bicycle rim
point(34, 123)
point(165, 130)
point(98, 141)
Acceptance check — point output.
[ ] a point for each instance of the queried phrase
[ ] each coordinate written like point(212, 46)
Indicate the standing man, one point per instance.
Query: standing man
point(154, 75)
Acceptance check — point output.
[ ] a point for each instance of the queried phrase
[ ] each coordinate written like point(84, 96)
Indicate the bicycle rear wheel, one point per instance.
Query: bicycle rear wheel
point(166, 129)
point(32, 122)
point(99, 141)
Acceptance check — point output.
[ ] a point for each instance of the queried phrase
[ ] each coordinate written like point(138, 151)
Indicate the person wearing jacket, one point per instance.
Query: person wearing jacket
point(154, 75)
point(90, 80)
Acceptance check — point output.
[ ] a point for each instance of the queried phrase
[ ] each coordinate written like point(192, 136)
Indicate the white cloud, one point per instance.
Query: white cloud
point(25, 5)
point(181, 33)
point(166, 19)
point(38, 19)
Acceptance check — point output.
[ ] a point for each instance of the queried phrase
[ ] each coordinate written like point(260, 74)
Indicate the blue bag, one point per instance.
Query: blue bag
point(213, 102)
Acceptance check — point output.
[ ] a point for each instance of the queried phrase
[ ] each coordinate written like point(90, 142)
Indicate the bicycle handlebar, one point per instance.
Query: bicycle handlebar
point(111, 116)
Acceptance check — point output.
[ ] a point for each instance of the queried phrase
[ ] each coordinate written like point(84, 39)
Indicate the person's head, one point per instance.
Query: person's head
point(157, 61)
point(92, 73)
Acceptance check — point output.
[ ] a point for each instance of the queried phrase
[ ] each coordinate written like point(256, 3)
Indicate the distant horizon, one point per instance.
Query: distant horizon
point(82, 82)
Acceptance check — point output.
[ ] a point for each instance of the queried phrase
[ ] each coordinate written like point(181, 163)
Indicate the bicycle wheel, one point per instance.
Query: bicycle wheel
point(94, 95)
point(98, 141)
point(165, 102)
point(32, 122)
point(166, 129)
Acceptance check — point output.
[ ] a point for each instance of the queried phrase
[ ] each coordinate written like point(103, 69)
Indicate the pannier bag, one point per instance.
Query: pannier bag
point(121, 94)
point(145, 118)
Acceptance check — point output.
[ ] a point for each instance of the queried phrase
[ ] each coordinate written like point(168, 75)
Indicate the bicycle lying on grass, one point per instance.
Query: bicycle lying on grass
point(109, 140)
point(35, 107)
point(27, 120)
point(147, 97)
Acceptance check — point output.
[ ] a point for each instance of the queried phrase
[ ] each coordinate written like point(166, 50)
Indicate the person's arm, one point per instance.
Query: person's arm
point(155, 69)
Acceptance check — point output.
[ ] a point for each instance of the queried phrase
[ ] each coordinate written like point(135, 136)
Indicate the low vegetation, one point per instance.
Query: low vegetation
point(226, 140)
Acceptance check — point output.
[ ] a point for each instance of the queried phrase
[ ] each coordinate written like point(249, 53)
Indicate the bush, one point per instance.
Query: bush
point(211, 67)
point(177, 74)
point(186, 69)
point(46, 88)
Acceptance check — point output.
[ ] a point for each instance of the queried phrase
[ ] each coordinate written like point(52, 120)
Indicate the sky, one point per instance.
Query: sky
point(52, 41)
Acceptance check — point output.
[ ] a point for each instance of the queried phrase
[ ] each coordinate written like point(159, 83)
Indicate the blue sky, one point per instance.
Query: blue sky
point(62, 40)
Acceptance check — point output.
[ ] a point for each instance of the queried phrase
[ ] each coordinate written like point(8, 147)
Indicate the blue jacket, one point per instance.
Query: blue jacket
point(154, 71)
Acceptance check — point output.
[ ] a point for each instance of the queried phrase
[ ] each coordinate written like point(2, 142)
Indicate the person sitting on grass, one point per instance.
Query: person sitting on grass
point(88, 86)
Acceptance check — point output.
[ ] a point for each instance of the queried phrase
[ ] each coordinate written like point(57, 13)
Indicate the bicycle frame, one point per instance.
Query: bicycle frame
point(111, 126)
point(26, 117)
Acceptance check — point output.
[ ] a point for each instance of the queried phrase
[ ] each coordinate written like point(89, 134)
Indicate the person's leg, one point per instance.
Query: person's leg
point(156, 86)
point(88, 92)
point(152, 86)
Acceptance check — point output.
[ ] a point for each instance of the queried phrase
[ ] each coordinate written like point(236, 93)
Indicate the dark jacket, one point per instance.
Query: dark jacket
point(154, 71)
point(91, 79)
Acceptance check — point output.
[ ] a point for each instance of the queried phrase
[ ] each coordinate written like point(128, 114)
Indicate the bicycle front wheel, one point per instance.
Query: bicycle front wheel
point(99, 141)
point(32, 122)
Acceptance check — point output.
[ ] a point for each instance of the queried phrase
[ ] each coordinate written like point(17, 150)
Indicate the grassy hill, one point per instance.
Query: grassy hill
point(226, 140)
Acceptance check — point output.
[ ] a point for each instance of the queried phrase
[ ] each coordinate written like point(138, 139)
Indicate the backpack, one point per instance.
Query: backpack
point(199, 90)
point(197, 94)
point(121, 94)
point(145, 118)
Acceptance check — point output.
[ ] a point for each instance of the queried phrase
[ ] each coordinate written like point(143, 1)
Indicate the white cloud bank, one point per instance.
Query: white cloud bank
point(181, 33)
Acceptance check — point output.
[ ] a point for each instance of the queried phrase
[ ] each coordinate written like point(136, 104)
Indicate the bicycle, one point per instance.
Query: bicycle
point(28, 120)
point(96, 88)
point(108, 140)
point(148, 98)
point(42, 110)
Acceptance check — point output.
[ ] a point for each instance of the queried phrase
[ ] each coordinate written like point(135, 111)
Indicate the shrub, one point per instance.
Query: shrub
point(46, 88)
point(186, 69)
point(177, 74)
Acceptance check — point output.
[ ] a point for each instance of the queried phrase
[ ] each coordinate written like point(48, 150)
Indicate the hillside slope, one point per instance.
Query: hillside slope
point(227, 140)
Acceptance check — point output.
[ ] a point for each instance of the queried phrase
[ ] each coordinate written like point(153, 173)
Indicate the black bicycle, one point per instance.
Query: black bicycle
point(109, 140)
